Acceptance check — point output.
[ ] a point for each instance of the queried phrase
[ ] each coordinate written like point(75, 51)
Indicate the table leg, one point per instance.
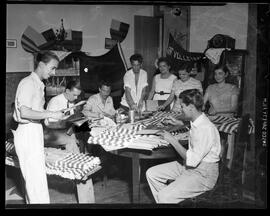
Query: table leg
point(85, 191)
point(135, 178)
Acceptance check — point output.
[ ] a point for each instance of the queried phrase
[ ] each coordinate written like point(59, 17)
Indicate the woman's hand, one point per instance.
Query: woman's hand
point(212, 111)
point(161, 107)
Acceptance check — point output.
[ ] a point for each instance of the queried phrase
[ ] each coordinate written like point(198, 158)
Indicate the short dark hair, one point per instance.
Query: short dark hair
point(136, 57)
point(164, 59)
point(73, 84)
point(45, 57)
point(192, 96)
point(187, 67)
point(222, 67)
point(105, 83)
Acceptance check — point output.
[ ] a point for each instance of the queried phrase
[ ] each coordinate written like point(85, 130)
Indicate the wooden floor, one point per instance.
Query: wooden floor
point(118, 189)
point(63, 191)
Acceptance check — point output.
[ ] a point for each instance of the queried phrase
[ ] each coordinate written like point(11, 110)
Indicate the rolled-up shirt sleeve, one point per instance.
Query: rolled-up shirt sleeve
point(127, 81)
point(201, 143)
point(25, 95)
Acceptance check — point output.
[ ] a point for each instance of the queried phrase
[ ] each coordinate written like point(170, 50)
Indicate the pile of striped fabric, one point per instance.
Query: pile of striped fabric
point(125, 136)
point(60, 162)
point(229, 124)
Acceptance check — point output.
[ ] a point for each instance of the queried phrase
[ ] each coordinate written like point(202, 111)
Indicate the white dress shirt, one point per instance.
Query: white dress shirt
point(129, 81)
point(204, 142)
point(30, 93)
point(58, 103)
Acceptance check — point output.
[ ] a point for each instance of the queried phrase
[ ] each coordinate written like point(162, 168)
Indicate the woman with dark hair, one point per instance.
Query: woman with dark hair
point(184, 82)
point(162, 83)
point(222, 96)
point(28, 137)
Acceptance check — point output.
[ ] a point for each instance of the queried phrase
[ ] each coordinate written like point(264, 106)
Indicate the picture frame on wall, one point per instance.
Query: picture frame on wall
point(11, 43)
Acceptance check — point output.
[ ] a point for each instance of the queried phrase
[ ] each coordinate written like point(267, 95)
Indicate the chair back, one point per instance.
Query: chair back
point(242, 139)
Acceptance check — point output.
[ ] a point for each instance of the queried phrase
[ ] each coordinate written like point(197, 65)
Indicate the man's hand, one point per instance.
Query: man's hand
point(166, 136)
point(134, 107)
point(59, 115)
point(173, 121)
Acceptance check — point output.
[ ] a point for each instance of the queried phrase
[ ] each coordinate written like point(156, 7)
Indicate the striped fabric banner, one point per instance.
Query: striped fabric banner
point(118, 30)
point(32, 40)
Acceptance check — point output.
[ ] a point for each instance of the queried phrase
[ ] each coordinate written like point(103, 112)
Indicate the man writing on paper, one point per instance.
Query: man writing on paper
point(100, 104)
point(56, 131)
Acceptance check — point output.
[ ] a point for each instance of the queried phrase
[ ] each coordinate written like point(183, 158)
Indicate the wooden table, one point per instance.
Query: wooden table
point(137, 155)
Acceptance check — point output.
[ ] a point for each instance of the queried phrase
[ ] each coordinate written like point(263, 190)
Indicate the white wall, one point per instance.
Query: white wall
point(93, 20)
point(206, 21)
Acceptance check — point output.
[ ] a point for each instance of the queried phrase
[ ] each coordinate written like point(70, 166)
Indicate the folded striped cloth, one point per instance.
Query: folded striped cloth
point(60, 162)
point(229, 124)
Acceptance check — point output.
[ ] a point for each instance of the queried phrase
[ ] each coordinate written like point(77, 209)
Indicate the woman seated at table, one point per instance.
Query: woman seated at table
point(162, 83)
point(222, 96)
point(184, 82)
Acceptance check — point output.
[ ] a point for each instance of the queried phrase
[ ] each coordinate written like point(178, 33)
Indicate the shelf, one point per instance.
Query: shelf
point(67, 72)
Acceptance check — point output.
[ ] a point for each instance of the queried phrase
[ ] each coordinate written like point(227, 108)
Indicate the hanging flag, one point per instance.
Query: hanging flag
point(31, 40)
point(179, 56)
point(110, 66)
point(118, 30)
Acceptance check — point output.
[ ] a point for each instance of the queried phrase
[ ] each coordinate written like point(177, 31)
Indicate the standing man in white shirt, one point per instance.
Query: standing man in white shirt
point(56, 131)
point(100, 104)
point(199, 171)
point(135, 85)
point(28, 137)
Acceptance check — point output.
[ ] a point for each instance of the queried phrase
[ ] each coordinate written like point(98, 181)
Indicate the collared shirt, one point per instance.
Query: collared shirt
point(204, 142)
point(30, 93)
point(58, 103)
point(94, 104)
point(180, 86)
point(129, 81)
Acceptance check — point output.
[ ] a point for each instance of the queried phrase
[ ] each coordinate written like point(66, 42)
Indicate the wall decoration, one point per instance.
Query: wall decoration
point(110, 43)
point(11, 43)
point(118, 30)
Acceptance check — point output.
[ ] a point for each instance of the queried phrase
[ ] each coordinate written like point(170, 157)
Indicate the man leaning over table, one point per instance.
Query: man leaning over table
point(55, 132)
point(100, 104)
point(199, 171)
point(135, 85)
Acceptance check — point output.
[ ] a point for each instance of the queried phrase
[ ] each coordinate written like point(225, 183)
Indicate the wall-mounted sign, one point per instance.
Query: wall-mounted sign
point(110, 43)
point(11, 43)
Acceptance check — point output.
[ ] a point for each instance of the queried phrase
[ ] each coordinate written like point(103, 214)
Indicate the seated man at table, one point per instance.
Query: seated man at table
point(199, 171)
point(55, 133)
point(135, 84)
point(100, 104)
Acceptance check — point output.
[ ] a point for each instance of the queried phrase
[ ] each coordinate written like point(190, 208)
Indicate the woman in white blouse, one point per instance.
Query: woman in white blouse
point(162, 83)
